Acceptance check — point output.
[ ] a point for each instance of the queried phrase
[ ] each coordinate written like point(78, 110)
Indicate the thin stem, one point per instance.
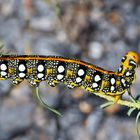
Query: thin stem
point(136, 123)
point(36, 90)
point(120, 101)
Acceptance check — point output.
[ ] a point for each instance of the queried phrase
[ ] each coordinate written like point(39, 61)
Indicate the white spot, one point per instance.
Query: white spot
point(40, 68)
point(120, 69)
point(21, 67)
point(128, 85)
point(60, 76)
point(112, 81)
point(95, 50)
point(52, 84)
point(97, 78)
point(123, 81)
point(124, 58)
point(128, 73)
point(3, 67)
point(81, 72)
point(94, 85)
point(32, 82)
point(112, 88)
point(3, 73)
point(78, 79)
point(21, 75)
point(61, 69)
point(70, 86)
point(15, 82)
point(132, 62)
point(40, 75)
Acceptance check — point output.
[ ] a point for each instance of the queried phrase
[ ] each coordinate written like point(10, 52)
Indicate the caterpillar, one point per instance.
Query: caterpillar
point(72, 72)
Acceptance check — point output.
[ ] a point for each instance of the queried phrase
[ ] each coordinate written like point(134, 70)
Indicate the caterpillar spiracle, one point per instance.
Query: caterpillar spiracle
point(71, 72)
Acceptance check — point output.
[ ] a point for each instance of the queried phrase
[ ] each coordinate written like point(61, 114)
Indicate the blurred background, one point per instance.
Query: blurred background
point(96, 31)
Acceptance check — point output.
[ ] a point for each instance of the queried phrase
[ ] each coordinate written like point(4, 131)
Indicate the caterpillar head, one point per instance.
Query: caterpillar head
point(128, 67)
point(130, 61)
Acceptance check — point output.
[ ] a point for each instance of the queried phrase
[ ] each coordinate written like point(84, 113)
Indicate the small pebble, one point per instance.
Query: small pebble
point(95, 50)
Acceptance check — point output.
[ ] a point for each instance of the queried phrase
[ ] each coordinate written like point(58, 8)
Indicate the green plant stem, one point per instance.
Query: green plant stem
point(38, 96)
point(129, 104)
point(137, 119)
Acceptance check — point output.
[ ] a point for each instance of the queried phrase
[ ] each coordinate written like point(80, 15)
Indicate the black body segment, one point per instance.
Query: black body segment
point(71, 72)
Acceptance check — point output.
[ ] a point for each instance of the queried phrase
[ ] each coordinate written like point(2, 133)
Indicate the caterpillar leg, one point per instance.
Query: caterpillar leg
point(70, 85)
point(117, 98)
point(34, 82)
point(109, 103)
point(16, 81)
point(52, 83)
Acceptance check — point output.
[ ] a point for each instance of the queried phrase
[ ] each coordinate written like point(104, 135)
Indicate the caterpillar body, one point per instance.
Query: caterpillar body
point(71, 72)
